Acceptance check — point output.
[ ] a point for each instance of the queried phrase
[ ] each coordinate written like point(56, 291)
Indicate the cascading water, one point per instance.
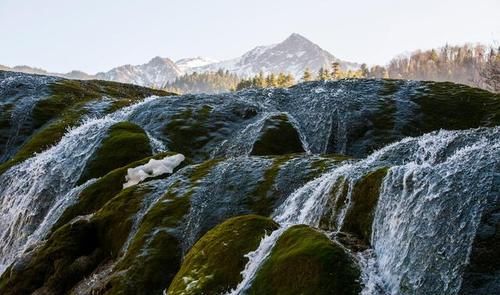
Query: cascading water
point(22, 92)
point(32, 188)
point(428, 213)
point(424, 224)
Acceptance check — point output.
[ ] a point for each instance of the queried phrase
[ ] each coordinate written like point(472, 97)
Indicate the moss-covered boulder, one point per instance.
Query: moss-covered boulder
point(277, 137)
point(304, 261)
point(96, 195)
point(155, 253)
point(74, 250)
point(125, 143)
point(446, 105)
point(69, 254)
point(365, 194)
point(214, 263)
point(64, 107)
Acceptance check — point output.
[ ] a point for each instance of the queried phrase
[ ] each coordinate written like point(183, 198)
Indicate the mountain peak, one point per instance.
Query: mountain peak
point(160, 60)
point(295, 37)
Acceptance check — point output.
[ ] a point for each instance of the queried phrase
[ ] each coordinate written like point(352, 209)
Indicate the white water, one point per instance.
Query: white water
point(36, 186)
point(304, 206)
point(428, 211)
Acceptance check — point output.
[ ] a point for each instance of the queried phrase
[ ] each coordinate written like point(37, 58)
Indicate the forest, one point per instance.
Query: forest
point(474, 65)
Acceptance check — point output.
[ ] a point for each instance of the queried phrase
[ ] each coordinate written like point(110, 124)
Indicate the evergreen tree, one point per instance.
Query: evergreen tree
point(271, 80)
point(336, 74)
point(365, 72)
point(307, 75)
point(323, 74)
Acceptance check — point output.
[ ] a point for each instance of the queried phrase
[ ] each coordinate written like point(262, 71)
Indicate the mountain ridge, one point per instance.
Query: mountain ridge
point(293, 55)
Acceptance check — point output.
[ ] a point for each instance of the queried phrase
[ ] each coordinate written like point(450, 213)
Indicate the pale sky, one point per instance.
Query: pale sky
point(96, 35)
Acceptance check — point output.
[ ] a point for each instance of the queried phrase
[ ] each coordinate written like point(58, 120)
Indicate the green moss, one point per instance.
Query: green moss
point(114, 220)
point(74, 250)
point(70, 253)
point(304, 261)
point(452, 106)
point(154, 255)
point(263, 198)
point(43, 139)
point(337, 199)
point(92, 198)
point(67, 93)
point(214, 263)
point(125, 143)
point(278, 137)
point(201, 170)
point(359, 216)
point(326, 162)
point(64, 108)
point(188, 132)
point(5, 116)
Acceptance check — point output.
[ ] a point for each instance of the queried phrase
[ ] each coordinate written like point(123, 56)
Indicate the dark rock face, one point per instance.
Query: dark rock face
point(278, 137)
point(482, 275)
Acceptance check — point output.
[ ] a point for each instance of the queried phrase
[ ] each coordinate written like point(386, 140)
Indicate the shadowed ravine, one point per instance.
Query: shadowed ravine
point(343, 187)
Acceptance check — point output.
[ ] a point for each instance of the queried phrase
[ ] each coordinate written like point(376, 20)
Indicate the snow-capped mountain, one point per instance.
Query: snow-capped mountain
point(187, 64)
point(156, 73)
point(293, 55)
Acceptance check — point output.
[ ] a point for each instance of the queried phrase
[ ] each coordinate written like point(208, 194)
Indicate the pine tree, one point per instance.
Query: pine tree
point(335, 71)
point(307, 76)
point(271, 80)
point(365, 72)
point(323, 74)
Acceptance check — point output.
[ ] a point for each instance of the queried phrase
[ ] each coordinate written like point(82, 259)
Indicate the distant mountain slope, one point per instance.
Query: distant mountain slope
point(156, 73)
point(187, 64)
point(293, 56)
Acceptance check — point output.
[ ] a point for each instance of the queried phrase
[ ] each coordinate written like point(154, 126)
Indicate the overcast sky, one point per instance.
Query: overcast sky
point(96, 35)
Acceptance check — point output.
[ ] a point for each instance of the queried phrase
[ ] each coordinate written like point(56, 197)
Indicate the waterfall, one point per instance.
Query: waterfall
point(33, 89)
point(33, 188)
point(424, 224)
point(428, 213)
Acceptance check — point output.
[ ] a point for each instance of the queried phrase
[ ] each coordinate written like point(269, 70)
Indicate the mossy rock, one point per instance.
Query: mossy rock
point(67, 93)
point(74, 250)
point(69, 254)
point(304, 261)
point(155, 253)
point(114, 220)
point(358, 219)
point(125, 143)
point(93, 198)
point(189, 131)
point(445, 105)
point(214, 263)
point(65, 108)
point(278, 137)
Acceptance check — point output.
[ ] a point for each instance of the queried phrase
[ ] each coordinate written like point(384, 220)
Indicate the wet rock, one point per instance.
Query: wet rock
point(214, 263)
point(277, 137)
point(304, 261)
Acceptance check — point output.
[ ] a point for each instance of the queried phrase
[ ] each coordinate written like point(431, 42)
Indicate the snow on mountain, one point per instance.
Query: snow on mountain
point(156, 73)
point(293, 55)
point(187, 64)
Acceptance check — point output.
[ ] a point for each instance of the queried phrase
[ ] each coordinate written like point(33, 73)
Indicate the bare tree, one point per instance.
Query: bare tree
point(490, 73)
